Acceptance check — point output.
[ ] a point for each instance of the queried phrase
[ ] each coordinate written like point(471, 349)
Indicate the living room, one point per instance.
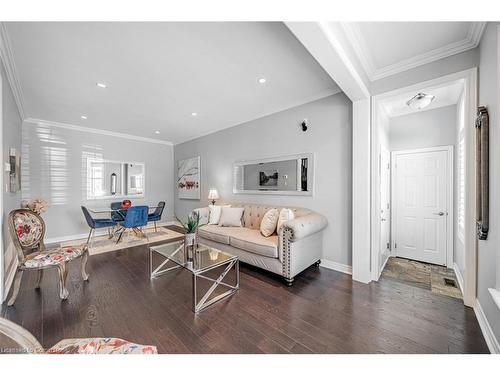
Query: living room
point(214, 188)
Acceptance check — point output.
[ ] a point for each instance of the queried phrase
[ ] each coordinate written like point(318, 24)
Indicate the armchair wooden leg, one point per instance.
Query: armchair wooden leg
point(39, 279)
point(155, 225)
point(85, 275)
point(63, 274)
point(16, 287)
point(289, 281)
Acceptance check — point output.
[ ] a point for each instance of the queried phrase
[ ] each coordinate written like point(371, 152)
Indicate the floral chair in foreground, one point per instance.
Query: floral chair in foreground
point(14, 339)
point(27, 230)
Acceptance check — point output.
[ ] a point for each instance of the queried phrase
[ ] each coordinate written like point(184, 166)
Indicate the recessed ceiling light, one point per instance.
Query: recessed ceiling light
point(101, 85)
point(157, 132)
point(83, 117)
point(262, 80)
point(420, 101)
point(194, 114)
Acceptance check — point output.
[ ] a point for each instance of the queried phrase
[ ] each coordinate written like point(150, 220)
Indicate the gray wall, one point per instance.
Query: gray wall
point(329, 137)
point(54, 167)
point(435, 127)
point(11, 134)
point(489, 250)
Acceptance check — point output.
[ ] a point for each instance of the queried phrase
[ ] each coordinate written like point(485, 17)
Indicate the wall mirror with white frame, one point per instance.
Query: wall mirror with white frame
point(108, 179)
point(283, 175)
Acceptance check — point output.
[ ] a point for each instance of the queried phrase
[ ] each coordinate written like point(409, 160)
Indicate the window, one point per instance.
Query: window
point(96, 179)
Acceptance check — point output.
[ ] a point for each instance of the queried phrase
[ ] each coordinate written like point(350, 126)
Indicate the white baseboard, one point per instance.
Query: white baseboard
point(459, 276)
point(344, 268)
point(99, 232)
point(488, 334)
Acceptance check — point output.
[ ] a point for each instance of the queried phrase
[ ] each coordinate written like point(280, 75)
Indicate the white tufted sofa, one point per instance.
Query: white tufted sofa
point(287, 253)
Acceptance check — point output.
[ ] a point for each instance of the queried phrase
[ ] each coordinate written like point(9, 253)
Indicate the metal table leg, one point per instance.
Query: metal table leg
point(205, 301)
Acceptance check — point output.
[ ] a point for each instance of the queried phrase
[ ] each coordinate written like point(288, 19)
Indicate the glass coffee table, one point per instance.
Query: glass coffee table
point(204, 259)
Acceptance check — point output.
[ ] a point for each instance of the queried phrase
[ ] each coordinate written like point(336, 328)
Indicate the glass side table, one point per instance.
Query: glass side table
point(205, 258)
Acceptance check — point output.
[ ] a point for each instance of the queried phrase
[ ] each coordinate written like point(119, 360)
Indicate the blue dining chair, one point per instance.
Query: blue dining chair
point(96, 223)
point(118, 215)
point(156, 215)
point(136, 218)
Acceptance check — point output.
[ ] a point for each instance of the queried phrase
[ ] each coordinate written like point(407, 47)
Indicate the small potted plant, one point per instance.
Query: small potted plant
point(191, 239)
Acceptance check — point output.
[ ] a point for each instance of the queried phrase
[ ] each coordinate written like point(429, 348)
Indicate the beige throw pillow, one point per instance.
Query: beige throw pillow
point(285, 215)
point(215, 212)
point(268, 223)
point(231, 217)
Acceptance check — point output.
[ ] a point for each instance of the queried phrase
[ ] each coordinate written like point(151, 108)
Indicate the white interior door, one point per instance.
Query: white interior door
point(385, 205)
point(421, 187)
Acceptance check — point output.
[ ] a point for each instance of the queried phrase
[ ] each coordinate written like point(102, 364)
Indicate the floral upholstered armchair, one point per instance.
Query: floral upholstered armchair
point(14, 339)
point(27, 230)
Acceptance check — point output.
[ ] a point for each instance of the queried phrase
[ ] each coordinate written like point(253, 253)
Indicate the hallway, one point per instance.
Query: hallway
point(438, 279)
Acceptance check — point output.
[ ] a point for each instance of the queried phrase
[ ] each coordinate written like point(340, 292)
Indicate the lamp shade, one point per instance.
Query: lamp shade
point(213, 194)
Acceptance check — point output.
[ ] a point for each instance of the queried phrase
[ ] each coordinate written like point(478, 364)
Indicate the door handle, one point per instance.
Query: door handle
point(441, 213)
point(382, 219)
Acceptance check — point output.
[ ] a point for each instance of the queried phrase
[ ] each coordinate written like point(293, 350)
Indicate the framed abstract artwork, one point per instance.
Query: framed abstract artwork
point(188, 178)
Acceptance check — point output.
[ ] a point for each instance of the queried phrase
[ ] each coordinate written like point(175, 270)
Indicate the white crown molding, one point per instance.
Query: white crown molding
point(355, 37)
point(353, 34)
point(11, 70)
point(34, 121)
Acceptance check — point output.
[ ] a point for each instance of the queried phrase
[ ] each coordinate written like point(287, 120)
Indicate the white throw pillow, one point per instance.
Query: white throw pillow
point(231, 217)
point(203, 214)
point(215, 212)
point(285, 215)
point(268, 223)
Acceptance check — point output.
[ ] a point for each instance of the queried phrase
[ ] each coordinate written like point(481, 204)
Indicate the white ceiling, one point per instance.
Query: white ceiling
point(387, 48)
point(445, 95)
point(159, 73)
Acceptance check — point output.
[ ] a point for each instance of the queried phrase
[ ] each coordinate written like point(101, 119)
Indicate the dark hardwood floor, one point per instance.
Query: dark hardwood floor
point(324, 312)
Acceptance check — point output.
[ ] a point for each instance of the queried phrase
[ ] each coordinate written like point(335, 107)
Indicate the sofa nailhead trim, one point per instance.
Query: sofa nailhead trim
point(287, 235)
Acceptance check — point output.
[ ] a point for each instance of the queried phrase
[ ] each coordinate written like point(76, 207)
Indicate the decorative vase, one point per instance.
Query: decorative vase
point(126, 204)
point(189, 246)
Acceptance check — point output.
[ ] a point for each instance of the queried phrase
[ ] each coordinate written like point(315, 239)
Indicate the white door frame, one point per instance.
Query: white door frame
point(449, 197)
point(469, 77)
point(379, 266)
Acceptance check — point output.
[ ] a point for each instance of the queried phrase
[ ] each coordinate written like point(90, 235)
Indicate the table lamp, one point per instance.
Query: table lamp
point(213, 196)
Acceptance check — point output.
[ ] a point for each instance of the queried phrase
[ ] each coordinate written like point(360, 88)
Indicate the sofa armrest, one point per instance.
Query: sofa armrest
point(305, 225)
